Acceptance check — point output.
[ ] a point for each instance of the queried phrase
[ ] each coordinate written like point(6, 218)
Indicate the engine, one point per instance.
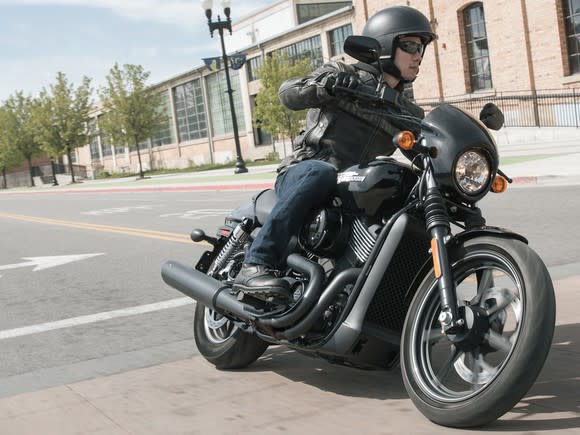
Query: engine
point(330, 233)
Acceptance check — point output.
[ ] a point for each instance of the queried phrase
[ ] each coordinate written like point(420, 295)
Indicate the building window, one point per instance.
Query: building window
point(164, 136)
point(310, 48)
point(219, 103)
point(120, 150)
point(312, 11)
point(106, 149)
point(572, 25)
point(190, 111)
point(253, 65)
point(94, 139)
point(337, 37)
point(477, 50)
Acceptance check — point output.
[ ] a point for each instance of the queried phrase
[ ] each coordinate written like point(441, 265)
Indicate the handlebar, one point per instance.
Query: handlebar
point(385, 101)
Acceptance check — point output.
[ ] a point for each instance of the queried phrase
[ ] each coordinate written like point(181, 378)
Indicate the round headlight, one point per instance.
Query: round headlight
point(472, 172)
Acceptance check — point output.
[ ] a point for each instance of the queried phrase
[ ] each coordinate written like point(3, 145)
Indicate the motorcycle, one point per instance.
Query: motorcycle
point(399, 268)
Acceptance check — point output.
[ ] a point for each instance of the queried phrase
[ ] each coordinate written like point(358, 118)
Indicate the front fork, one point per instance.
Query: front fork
point(439, 228)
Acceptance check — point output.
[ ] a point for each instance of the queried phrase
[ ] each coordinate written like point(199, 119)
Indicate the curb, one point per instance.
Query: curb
point(153, 188)
point(545, 180)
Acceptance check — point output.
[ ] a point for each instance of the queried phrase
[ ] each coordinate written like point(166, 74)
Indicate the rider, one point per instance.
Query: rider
point(337, 136)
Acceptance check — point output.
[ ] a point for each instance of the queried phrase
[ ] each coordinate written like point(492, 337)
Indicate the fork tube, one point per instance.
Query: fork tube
point(439, 228)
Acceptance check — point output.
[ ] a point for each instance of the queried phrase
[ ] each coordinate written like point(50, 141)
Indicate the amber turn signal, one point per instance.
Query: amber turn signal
point(499, 184)
point(405, 140)
point(435, 255)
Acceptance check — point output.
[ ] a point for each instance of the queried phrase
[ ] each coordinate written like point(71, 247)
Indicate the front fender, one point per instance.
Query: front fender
point(486, 231)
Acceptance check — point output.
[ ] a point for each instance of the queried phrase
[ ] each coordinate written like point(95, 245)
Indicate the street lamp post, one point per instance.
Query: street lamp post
point(220, 25)
point(52, 166)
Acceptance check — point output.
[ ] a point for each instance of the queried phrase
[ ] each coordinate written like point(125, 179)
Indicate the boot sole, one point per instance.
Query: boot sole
point(268, 294)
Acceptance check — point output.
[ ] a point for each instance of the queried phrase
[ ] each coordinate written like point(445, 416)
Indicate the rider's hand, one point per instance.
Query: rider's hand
point(341, 79)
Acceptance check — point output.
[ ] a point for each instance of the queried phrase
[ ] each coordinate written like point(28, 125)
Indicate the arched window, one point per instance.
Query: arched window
point(476, 47)
point(571, 10)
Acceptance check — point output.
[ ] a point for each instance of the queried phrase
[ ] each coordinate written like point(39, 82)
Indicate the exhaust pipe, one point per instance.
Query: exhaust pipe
point(215, 295)
point(204, 289)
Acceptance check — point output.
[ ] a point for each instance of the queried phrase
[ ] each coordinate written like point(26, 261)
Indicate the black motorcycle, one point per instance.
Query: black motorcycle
point(399, 268)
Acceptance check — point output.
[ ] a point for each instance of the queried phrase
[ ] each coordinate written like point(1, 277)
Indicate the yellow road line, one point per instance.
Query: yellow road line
point(152, 234)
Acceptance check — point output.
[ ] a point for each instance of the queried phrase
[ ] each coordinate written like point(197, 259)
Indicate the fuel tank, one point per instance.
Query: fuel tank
point(377, 188)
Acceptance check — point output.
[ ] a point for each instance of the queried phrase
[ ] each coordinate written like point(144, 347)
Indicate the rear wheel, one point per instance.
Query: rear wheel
point(222, 343)
point(506, 295)
point(219, 339)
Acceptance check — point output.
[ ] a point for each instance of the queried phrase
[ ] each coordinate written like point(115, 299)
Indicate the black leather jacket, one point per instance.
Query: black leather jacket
point(336, 131)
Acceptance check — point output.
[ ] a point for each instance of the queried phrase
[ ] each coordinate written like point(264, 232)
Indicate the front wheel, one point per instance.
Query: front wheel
point(505, 294)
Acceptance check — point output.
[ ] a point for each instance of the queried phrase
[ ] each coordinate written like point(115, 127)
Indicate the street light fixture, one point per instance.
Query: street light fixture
point(220, 25)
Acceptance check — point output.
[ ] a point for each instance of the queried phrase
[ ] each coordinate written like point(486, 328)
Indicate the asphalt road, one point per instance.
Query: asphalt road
point(110, 312)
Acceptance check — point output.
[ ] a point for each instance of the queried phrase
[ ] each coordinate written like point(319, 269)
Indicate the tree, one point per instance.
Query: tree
point(9, 156)
point(133, 113)
point(270, 114)
point(18, 128)
point(61, 118)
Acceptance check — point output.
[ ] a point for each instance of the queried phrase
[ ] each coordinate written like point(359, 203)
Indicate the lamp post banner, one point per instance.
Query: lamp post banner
point(213, 63)
point(237, 60)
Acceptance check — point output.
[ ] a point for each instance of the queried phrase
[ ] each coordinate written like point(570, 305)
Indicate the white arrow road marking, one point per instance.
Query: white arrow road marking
point(92, 318)
point(41, 263)
point(198, 214)
point(117, 210)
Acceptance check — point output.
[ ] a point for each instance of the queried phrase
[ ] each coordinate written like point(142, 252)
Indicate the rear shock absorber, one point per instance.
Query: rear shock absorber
point(236, 241)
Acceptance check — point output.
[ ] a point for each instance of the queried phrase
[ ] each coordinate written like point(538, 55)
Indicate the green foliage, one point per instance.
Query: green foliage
point(60, 117)
point(17, 130)
point(132, 112)
point(273, 156)
point(9, 155)
point(270, 114)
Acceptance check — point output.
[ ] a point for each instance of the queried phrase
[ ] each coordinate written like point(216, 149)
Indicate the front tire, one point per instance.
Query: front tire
point(475, 377)
point(222, 343)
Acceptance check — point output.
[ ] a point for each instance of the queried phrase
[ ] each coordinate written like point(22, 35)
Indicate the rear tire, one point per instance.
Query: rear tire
point(473, 382)
point(222, 343)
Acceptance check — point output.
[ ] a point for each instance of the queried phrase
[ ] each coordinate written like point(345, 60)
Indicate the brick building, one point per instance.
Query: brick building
point(519, 45)
point(523, 53)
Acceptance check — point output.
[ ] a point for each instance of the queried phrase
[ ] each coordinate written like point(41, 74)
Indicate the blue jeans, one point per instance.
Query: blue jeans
point(302, 188)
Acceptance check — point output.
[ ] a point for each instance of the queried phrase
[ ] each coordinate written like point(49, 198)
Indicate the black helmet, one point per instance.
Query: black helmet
point(390, 24)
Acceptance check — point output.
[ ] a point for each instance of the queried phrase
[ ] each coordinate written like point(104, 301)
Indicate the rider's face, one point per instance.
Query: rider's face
point(408, 63)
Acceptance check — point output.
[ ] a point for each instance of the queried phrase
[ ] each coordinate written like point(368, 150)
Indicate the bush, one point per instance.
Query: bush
point(273, 156)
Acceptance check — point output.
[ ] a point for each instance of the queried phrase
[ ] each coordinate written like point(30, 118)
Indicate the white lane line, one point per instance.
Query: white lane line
point(93, 318)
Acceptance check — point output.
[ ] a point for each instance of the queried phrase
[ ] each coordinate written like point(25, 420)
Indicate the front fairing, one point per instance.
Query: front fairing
point(451, 131)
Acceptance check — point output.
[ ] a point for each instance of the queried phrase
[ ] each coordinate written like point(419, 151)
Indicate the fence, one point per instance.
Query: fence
point(42, 172)
point(546, 108)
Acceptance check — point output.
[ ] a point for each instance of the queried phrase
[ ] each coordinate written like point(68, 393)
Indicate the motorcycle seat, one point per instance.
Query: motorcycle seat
point(263, 204)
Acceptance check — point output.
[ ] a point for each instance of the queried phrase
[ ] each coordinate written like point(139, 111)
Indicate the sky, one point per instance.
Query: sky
point(39, 38)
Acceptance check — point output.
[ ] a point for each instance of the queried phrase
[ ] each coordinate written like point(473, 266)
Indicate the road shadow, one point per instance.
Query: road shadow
point(552, 403)
point(326, 376)
point(556, 391)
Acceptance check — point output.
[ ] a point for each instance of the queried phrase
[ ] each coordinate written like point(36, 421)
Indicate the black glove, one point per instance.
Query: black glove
point(341, 79)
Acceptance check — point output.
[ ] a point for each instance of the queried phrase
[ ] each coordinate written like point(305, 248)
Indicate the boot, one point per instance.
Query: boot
point(259, 281)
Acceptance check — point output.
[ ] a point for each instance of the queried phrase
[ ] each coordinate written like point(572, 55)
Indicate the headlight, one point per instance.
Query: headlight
point(472, 172)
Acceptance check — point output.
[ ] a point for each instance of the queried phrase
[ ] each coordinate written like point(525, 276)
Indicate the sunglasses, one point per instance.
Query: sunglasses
point(411, 47)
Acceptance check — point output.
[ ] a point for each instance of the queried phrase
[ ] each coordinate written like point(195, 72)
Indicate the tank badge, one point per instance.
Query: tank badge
point(349, 177)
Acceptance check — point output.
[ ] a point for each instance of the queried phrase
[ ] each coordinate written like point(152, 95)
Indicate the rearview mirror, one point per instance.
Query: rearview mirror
point(491, 116)
point(363, 48)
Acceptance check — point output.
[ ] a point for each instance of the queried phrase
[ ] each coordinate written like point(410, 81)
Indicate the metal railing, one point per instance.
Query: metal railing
point(545, 108)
